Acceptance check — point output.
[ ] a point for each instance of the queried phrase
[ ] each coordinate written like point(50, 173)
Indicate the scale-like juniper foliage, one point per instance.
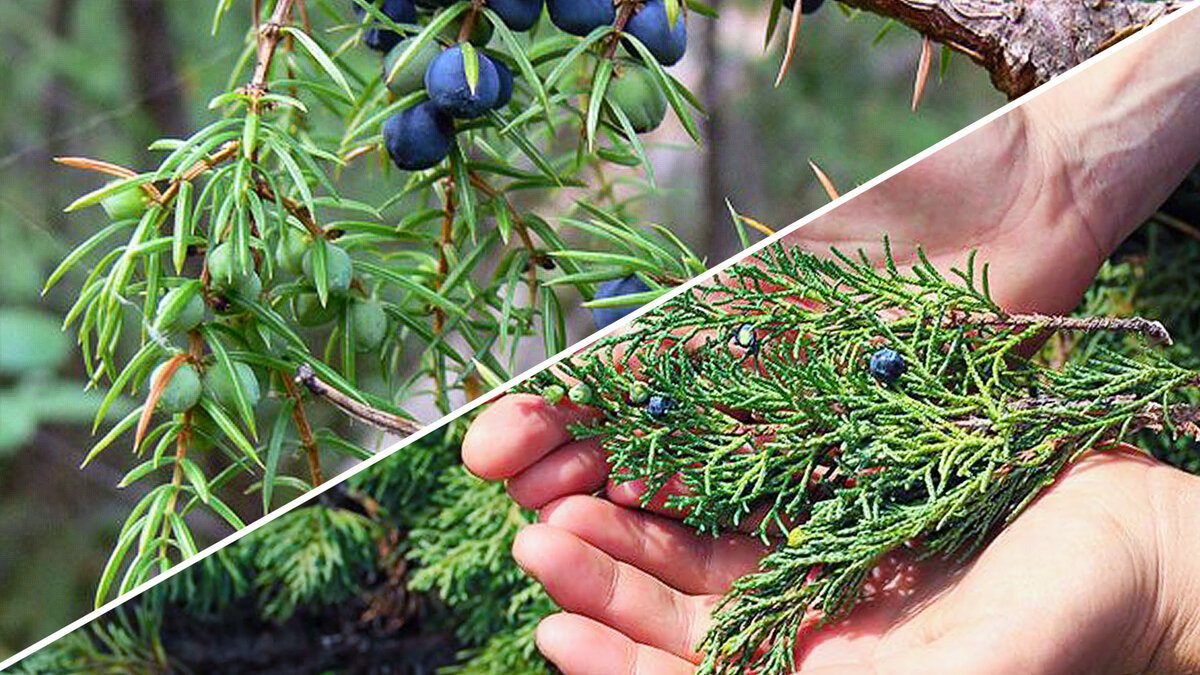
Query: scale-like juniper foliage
point(1155, 277)
point(758, 395)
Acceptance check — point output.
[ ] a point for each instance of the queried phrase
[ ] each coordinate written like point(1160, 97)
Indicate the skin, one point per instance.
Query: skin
point(1101, 574)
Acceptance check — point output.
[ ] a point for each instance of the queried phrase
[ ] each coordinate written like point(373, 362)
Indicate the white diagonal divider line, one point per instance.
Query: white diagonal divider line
point(1112, 52)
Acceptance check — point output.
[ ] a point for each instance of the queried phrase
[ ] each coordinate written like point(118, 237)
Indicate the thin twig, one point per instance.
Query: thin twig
point(269, 35)
point(614, 38)
point(181, 445)
point(292, 206)
point(1181, 225)
point(1152, 415)
point(307, 440)
point(446, 238)
point(468, 24)
point(361, 411)
point(1152, 329)
point(518, 222)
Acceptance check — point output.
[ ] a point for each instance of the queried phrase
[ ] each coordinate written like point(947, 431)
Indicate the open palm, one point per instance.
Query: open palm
point(1082, 582)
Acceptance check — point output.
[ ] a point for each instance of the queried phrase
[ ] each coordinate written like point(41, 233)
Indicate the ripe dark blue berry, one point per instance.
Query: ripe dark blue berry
point(603, 316)
point(580, 17)
point(887, 365)
point(446, 82)
point(649, 24)
point(659, 406)
point(382, 39)
point(418, 137)
point(519, 15)
point(506, 83)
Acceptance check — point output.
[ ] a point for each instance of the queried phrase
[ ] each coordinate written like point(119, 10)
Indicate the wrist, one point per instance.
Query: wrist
point(1123, 133)
point(1177, 507)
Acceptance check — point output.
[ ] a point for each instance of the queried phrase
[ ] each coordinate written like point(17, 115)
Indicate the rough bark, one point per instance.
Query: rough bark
point(1024, 43)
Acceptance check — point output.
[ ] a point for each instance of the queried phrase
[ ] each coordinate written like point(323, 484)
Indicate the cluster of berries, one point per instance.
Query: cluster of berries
point(421, 136)
point(182, 309)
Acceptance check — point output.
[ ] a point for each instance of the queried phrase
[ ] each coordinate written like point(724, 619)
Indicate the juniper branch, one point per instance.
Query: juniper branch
point(377, 418)
point(1023, 44)
point(1152, 329)
point(760, 397)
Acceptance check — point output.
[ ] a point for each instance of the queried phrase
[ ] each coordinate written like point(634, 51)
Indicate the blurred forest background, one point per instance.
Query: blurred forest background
point(104, 78)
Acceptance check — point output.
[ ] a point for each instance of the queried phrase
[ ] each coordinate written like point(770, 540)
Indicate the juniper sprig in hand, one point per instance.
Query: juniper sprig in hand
point(865, 411)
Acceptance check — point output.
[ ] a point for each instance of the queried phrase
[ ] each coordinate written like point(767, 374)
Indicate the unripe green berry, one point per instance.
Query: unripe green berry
point(220, 385)
point(126, 204)
point(639, 393)
point(290, 253)
point(309, 311)
point(182, 391)
point(370, 325)
point(222, 270)
point(249, 287)
point(580, 393)
point(338, 267)
point(180, 310)
point(553, 394)
point(636, 93)
point(411, 77)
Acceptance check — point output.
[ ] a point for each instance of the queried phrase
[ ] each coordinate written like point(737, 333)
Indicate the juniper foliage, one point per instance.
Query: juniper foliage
point(1154, 275)
point(791, 425)
point(246, 250)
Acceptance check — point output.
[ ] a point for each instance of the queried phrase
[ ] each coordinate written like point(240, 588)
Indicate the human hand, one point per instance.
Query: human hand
point(1047, 190)
point(1100, 575)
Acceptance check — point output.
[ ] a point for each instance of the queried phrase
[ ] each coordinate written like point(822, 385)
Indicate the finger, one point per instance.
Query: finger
point(575, 468)
point(631, 494)
point(516, 431)
point(693, 563)
point(582, 579)
point(581, 646)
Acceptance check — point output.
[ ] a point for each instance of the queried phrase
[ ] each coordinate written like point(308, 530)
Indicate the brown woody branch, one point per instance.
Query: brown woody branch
point(535, 258)
point(1023, 43)
point(307, 440)
point(269, 35)
point(1152, 329)
point(1152, 415)
point(298, 210)
point(361, 411)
